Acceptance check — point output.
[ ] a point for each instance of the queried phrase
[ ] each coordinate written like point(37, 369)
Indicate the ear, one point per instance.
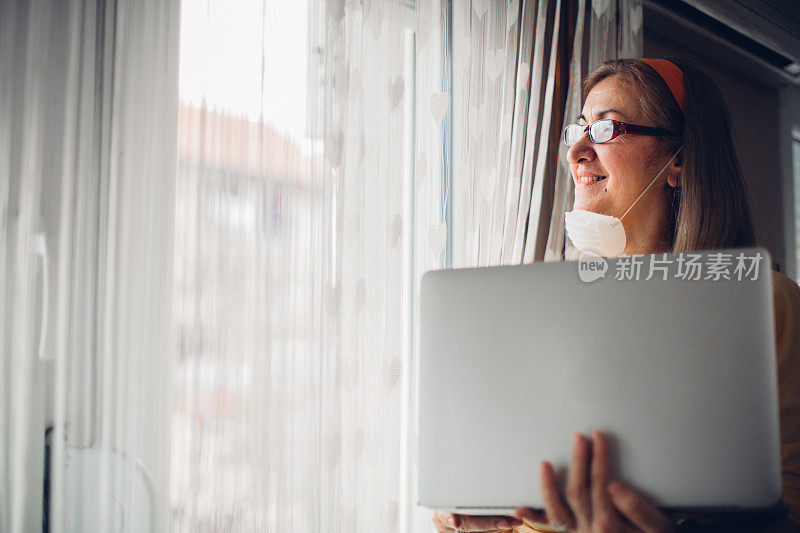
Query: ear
point(673, 172)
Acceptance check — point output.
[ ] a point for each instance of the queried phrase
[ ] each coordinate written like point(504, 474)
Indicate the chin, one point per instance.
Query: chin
point(594, 201)
point(587, 205)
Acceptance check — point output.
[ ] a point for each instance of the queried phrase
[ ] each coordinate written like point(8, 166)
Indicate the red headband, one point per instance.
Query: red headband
point(672, 76)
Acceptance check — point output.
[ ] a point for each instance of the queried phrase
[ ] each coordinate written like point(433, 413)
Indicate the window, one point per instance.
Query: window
point(294, 275)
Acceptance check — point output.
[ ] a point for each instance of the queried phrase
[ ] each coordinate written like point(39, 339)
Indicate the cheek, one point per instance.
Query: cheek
point(627, 169)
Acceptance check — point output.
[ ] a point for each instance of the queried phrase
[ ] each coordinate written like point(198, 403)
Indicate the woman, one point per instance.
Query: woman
point(665, 165)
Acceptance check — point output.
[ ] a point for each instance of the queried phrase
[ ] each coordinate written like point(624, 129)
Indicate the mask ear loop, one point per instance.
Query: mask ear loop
point(652, 182)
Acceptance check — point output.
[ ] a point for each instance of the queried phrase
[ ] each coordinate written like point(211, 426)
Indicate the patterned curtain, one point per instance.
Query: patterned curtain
point(517, 73)
point(615, 32)
point(371, 203)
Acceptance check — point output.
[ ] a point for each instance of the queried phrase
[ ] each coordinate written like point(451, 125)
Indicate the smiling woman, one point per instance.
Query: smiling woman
point(655, 170)
point(708, 211)
point(700, 203)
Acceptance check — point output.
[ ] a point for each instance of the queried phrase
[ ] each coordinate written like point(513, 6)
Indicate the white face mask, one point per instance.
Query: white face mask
point(602, 234)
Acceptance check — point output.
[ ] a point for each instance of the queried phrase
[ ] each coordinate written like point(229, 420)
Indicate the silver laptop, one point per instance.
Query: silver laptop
point(672, 356)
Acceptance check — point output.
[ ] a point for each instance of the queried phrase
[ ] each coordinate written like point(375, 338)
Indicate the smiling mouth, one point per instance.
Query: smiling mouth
point(588, 180)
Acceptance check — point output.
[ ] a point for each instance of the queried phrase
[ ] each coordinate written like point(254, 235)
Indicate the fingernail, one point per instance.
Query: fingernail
point(502, 524)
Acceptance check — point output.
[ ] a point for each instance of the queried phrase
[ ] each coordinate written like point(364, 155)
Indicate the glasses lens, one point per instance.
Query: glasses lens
point(572, 133)
point(601, 131)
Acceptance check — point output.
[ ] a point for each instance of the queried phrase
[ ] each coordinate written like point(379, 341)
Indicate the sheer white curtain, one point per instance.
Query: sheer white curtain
point(251, 219)
point(88, 94)
point(232, 345)
point(368, 126)
point(295, 227)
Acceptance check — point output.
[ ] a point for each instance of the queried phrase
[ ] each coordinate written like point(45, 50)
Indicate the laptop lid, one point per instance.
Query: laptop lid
point(671, 356)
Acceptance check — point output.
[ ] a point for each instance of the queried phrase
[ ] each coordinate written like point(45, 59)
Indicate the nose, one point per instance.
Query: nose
point(583, 150)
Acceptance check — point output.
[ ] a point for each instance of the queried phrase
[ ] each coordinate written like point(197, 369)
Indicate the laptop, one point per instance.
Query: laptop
point(672, 356)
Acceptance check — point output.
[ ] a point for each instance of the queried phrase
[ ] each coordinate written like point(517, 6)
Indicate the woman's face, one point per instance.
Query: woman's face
point(628, 162)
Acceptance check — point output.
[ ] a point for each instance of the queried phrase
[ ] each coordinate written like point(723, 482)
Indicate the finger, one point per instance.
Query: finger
point(604, 514)
point(638, 509)
point(486, 523)
point(530, 515)
point(577, 479)
point(441, 528)
point(556, 511)
point(440, 522)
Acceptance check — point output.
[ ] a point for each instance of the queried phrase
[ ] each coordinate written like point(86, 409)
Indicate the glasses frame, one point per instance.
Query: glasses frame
point(619, 128)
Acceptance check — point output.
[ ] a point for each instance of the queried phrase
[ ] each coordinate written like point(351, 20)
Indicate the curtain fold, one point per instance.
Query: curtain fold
point(432, 211)
point(87, 137)
point(368, 120)
point(563, 190)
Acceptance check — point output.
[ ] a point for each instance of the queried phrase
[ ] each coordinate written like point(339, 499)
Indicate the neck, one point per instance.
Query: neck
point(646, 230)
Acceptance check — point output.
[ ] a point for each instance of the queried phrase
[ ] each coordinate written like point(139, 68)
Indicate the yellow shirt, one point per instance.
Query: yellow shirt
point(786, 298)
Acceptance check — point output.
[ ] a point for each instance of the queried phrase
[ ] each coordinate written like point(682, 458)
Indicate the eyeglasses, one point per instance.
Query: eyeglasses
point(604, 130)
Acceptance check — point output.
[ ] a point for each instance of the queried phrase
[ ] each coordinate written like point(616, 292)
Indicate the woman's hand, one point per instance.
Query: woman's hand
point(449, 523)
point(594, 503)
